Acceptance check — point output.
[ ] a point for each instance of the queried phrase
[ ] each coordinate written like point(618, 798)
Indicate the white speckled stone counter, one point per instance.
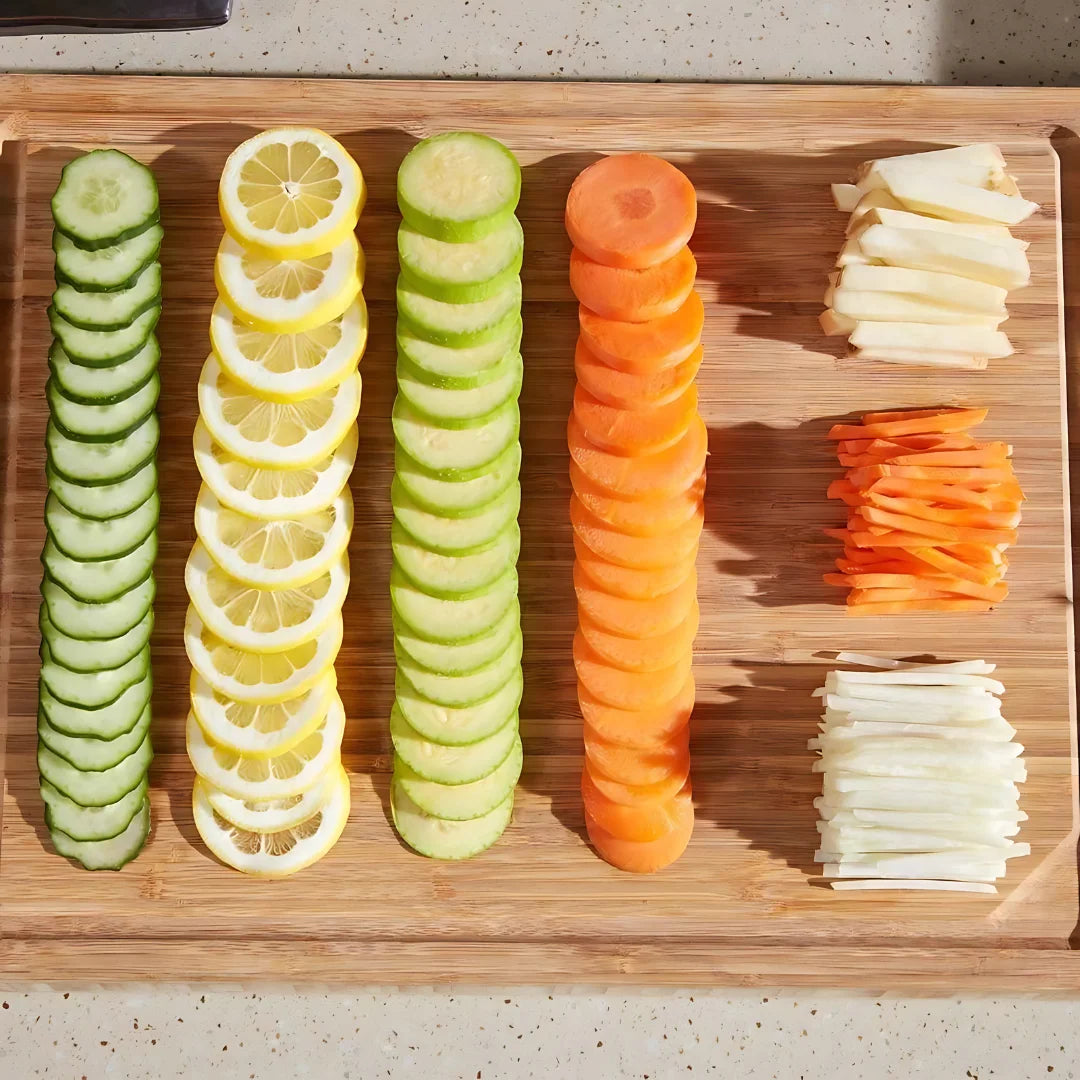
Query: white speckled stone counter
point(164, 1033)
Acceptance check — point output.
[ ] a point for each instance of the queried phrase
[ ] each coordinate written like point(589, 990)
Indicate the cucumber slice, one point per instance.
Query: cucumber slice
point(458, 186)
point(109, 310)
point(453, 407)
point(460, 691)
point(455, 453)
point(459, 727)
point(105, 854)
point(91, 754)
point(463, 658)
point(95, 788)
point(102, 423)
point(103, 348)
point(104, 197)
point(104, 501)
point(92, 822)
point(104, 386)
point(79, 655)
point(465, 535)
point(459, 325)
point(107, 579)
point(108, 268)
point(439, 619)
point(108, 722)
point(458, 369)
point(91, 689)
point(102, 462)
point(461, 273)
point(461, 802)
point(455, 575)
point(438, 838)
point(94, 541)
point(451, 764)
point(453, 498)
point(97, 622)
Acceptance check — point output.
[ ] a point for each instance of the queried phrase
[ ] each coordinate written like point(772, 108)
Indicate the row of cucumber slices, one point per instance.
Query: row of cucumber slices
point(456, 495)
point(101, 513)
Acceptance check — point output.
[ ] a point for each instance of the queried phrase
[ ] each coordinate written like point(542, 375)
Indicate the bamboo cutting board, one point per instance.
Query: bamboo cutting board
point(742, 905)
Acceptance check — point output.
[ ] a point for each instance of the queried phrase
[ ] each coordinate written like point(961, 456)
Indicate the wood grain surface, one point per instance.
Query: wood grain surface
point(743, 905)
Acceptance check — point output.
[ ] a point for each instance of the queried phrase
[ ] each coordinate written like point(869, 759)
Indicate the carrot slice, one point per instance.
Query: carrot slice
point(645, 348)
point(644, 857)
point(628, 584)
point(904, 607)
point(929, 491)
point(642, 653)
point(627, 689)
point(661, 475)
point(630, 391)
point(633, 295)
point(639, 517)
point(642, 794)
point(955, 533)
point(976, 479)
point(933, 423)
point(971, 517)
point(636, 767)
point(631, 211)
point(640, 823)
point(634, 618)
point(992, 454)
point(635, 431)
point(925, 586)
point(642, 728)
point(636, 552)
point(949, 564)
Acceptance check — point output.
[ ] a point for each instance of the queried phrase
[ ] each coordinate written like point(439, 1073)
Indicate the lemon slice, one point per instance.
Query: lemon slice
point(273, 494)
point(289, 367)
point(291, 192)
point(274, 554)
point(260, 730)
point(274, 854)
point(286, 296)
point(280, 777)
point(274, 434)
point(263, 620)
point(260, 678)
point(272, 815)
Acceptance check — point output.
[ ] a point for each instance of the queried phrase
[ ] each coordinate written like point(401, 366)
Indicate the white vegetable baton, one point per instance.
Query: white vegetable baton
point(920, 774)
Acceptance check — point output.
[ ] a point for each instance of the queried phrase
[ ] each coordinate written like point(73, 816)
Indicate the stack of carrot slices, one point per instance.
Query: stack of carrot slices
point(931, 515)
point(637, 447)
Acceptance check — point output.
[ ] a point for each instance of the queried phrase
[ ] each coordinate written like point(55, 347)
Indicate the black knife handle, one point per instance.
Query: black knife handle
point(59, 16)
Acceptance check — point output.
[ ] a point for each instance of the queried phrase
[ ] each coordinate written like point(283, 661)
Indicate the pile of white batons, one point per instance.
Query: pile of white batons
point(920, 777)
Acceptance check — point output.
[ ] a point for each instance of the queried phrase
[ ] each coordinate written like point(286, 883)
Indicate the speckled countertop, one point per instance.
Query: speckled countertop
point(165, 1033)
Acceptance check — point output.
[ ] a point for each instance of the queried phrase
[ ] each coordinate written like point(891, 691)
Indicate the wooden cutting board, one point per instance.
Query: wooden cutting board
point(743, 905)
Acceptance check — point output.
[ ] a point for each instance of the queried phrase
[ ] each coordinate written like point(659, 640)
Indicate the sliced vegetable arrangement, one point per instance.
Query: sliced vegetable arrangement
point(920, 776)
point(931, 513)
point(275, 444)
point(638, 448)
point(101, 513)
point(929, 259)
point(455, 496)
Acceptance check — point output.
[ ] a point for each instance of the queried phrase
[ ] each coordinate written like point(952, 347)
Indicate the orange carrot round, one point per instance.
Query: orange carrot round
point(661, 475)
point(627, 689)
point(641, 728)
point(635, 431)
point(642, 653)
point(636, 552)
point(640, 823)
point(641, 794)
point(623, 582)
point(631, 211)
point(633, 295)
point(639, 517)
point(635, 618)
point(638, 767)
point(645, 348)
point(644, 857)
point(630, 391)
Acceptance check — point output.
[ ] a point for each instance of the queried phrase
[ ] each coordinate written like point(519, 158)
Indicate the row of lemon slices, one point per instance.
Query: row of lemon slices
point(275, 443)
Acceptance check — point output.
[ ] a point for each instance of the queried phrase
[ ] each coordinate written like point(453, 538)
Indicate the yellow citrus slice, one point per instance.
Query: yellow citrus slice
point(291, 192)
point(272, 815)
point(263, 620)
point(274, 554)
point(275, 434)
point(260, 678)
point(281, 777)
point(260, 730)
point(286, 296)
point(273, 494)
point(290, 367)
point(274, 854)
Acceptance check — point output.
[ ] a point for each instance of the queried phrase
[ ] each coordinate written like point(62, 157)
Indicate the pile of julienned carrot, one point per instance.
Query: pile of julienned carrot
point(932, 512)
point(638, 449)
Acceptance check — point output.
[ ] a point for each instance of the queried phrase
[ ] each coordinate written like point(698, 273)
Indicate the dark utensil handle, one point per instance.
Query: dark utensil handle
point(57, 16)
